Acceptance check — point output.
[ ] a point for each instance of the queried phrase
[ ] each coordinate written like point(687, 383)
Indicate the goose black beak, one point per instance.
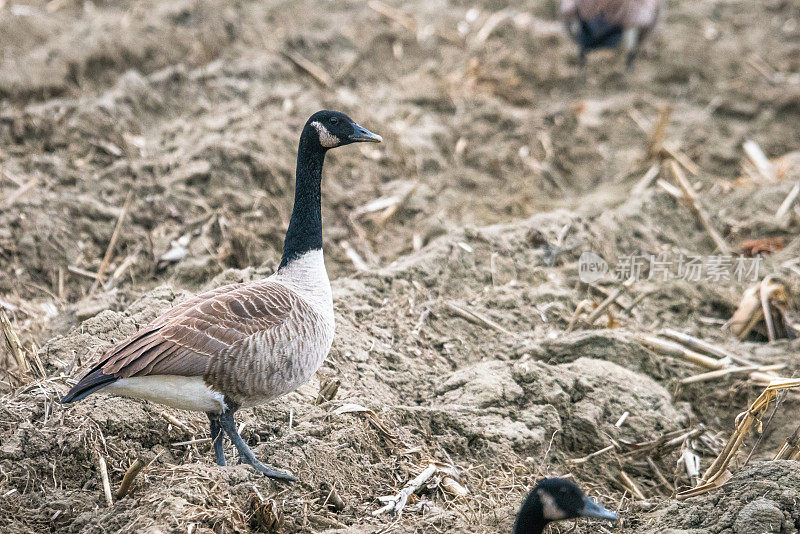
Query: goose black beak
point(592, 509)
point(362, 135)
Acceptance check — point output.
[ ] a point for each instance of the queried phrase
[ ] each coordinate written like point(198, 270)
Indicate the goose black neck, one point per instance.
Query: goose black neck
point(530, 519)
point(305, 226)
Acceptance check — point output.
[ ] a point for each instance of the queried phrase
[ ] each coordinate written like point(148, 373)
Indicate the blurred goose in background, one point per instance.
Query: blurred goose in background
point(607, 23)
point(243, 344)
point(554, 499)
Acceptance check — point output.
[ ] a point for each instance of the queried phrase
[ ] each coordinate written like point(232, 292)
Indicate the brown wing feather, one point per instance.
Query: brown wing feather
point(182, 341)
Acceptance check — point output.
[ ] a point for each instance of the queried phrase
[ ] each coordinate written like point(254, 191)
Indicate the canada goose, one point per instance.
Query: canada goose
point(604, 23)
point(554, 499)
point(242, 344)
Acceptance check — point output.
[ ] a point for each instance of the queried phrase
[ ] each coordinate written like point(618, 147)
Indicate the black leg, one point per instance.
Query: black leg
point(217, 438)
point(582, 65)
point(629, 60)
point(245, 454)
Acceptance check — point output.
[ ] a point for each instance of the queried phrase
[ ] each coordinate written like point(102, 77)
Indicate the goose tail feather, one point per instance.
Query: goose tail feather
point(88, 384)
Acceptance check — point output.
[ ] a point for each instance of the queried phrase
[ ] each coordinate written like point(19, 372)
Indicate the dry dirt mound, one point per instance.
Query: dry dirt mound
point(760, 499)
point(504, 404)
point(453, 246)
point(193, 107)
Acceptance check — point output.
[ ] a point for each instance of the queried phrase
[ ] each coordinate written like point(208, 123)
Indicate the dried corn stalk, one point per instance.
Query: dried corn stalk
point(765, 301)
point(13, 344)
point(718, 473)
point(791, 447)
point(371, 416)
point(436, 475)
point(266, 513)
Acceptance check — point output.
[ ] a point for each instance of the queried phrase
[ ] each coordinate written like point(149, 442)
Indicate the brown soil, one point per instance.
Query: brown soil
point(507, 168)
point(760, 499)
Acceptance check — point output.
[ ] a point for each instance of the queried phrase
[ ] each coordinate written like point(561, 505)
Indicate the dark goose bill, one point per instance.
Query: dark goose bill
point(363, 135)
point(592, 509)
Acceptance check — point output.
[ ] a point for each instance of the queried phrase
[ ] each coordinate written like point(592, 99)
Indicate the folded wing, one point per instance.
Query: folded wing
point(183, 341)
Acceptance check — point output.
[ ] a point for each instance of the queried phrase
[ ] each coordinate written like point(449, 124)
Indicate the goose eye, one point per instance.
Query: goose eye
point(334, 120)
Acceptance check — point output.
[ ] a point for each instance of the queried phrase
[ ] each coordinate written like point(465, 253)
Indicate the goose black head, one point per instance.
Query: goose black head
point(554, 499)
point(333, 128)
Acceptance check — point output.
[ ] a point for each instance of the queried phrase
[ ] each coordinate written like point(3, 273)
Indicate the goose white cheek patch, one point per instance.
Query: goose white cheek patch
point(326, 139)
point(550, 510)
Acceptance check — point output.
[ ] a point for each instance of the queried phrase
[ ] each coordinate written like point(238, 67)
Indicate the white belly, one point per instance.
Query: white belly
point(182, 392)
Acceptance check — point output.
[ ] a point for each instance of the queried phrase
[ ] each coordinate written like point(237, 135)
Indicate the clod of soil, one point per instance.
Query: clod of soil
point(498, 169)
point(760, 499)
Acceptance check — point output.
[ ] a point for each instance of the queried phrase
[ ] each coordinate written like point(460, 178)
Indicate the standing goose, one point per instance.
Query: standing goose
point(604, 23)
point(554, 499)
point(243, 344)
